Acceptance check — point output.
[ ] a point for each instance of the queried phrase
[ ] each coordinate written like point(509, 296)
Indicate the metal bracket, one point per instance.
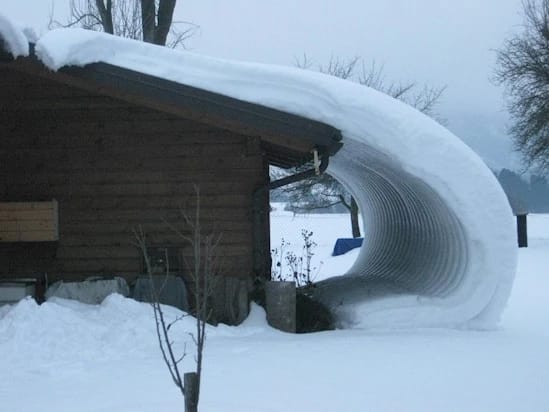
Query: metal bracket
point(316, 162)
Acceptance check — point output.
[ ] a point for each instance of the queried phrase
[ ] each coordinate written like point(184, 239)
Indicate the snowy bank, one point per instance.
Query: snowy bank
point(89, 358)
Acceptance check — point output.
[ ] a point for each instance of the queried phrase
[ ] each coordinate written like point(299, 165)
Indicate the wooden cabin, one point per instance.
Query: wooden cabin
point(88, 154)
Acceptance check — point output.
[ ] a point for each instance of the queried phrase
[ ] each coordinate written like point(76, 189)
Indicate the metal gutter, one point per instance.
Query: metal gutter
point(325, 159)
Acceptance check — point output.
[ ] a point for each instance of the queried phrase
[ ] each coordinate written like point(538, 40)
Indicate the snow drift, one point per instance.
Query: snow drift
point(440, 248)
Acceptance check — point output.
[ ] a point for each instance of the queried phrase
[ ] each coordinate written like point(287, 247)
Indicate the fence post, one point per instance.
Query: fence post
point(522, 230)
point(190, 381)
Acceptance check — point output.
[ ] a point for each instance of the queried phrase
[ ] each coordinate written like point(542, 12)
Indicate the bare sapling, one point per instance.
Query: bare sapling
point(202, 267)
point(300, 268)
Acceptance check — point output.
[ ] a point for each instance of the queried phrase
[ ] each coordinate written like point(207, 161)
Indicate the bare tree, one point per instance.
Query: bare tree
point(147, 20)
point(203, 268)
point(320, 192)
point(163, 327)
point(523, 68)
point(324, 191)
point(423, 97)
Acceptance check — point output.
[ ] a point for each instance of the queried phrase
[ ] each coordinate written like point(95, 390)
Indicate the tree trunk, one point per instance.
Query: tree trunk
point(354, 218)
point(105, 14)
point(148, 20)
point(165, 16)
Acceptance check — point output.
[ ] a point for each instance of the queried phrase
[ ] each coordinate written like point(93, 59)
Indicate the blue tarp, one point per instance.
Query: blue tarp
point(343, 245)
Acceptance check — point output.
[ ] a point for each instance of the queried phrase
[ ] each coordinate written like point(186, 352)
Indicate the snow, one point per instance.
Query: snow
point(287, 226)
point(14, 38)
point(67, 356)
point(441, 237)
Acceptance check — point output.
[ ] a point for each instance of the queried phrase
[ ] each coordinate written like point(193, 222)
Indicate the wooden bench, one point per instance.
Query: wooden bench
point(29, 221)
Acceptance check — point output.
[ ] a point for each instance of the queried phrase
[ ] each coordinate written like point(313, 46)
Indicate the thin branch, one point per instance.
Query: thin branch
point(140, 20)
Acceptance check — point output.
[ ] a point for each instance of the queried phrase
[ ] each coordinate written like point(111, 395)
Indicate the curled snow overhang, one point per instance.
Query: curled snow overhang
point(440, 245)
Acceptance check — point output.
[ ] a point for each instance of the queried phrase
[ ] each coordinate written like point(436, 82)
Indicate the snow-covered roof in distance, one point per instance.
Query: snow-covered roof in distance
point(440, 248)
point(14, 38)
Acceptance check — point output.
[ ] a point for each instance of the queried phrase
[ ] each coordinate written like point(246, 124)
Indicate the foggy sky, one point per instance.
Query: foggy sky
point(444, 42)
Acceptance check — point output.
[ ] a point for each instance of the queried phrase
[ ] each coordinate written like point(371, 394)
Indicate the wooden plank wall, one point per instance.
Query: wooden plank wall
point(113, 166)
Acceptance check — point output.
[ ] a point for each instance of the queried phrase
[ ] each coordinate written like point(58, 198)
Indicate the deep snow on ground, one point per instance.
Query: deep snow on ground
point(287, 226)
point(66, 356)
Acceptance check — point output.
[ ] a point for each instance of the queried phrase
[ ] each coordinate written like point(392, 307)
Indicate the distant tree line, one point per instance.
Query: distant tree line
point(526, 195)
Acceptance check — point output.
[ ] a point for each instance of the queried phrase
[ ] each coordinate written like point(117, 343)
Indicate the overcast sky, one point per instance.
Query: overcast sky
point(439, 42)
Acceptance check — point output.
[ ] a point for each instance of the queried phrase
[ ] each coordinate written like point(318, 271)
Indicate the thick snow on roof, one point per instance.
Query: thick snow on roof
point(14, 38)
point(440, 243)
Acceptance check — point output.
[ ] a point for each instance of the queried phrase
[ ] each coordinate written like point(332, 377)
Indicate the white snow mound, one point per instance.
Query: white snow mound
point(440, 245)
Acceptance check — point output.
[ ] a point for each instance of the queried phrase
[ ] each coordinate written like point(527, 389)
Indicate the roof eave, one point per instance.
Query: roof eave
point(290, 138)
point(278, 128)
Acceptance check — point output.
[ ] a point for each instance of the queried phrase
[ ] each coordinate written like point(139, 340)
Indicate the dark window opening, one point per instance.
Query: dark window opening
point(164, 260)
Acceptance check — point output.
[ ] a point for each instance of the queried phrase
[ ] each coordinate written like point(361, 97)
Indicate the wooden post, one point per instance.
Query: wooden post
point(281, 305)
point(261, 233)
point(190, 381)
point(522, 230)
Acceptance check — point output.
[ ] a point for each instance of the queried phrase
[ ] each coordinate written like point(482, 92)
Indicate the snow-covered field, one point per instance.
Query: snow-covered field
point(286, 227)
point(66, 356)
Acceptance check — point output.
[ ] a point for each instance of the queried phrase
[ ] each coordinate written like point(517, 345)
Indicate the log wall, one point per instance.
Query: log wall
point(112, 166)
